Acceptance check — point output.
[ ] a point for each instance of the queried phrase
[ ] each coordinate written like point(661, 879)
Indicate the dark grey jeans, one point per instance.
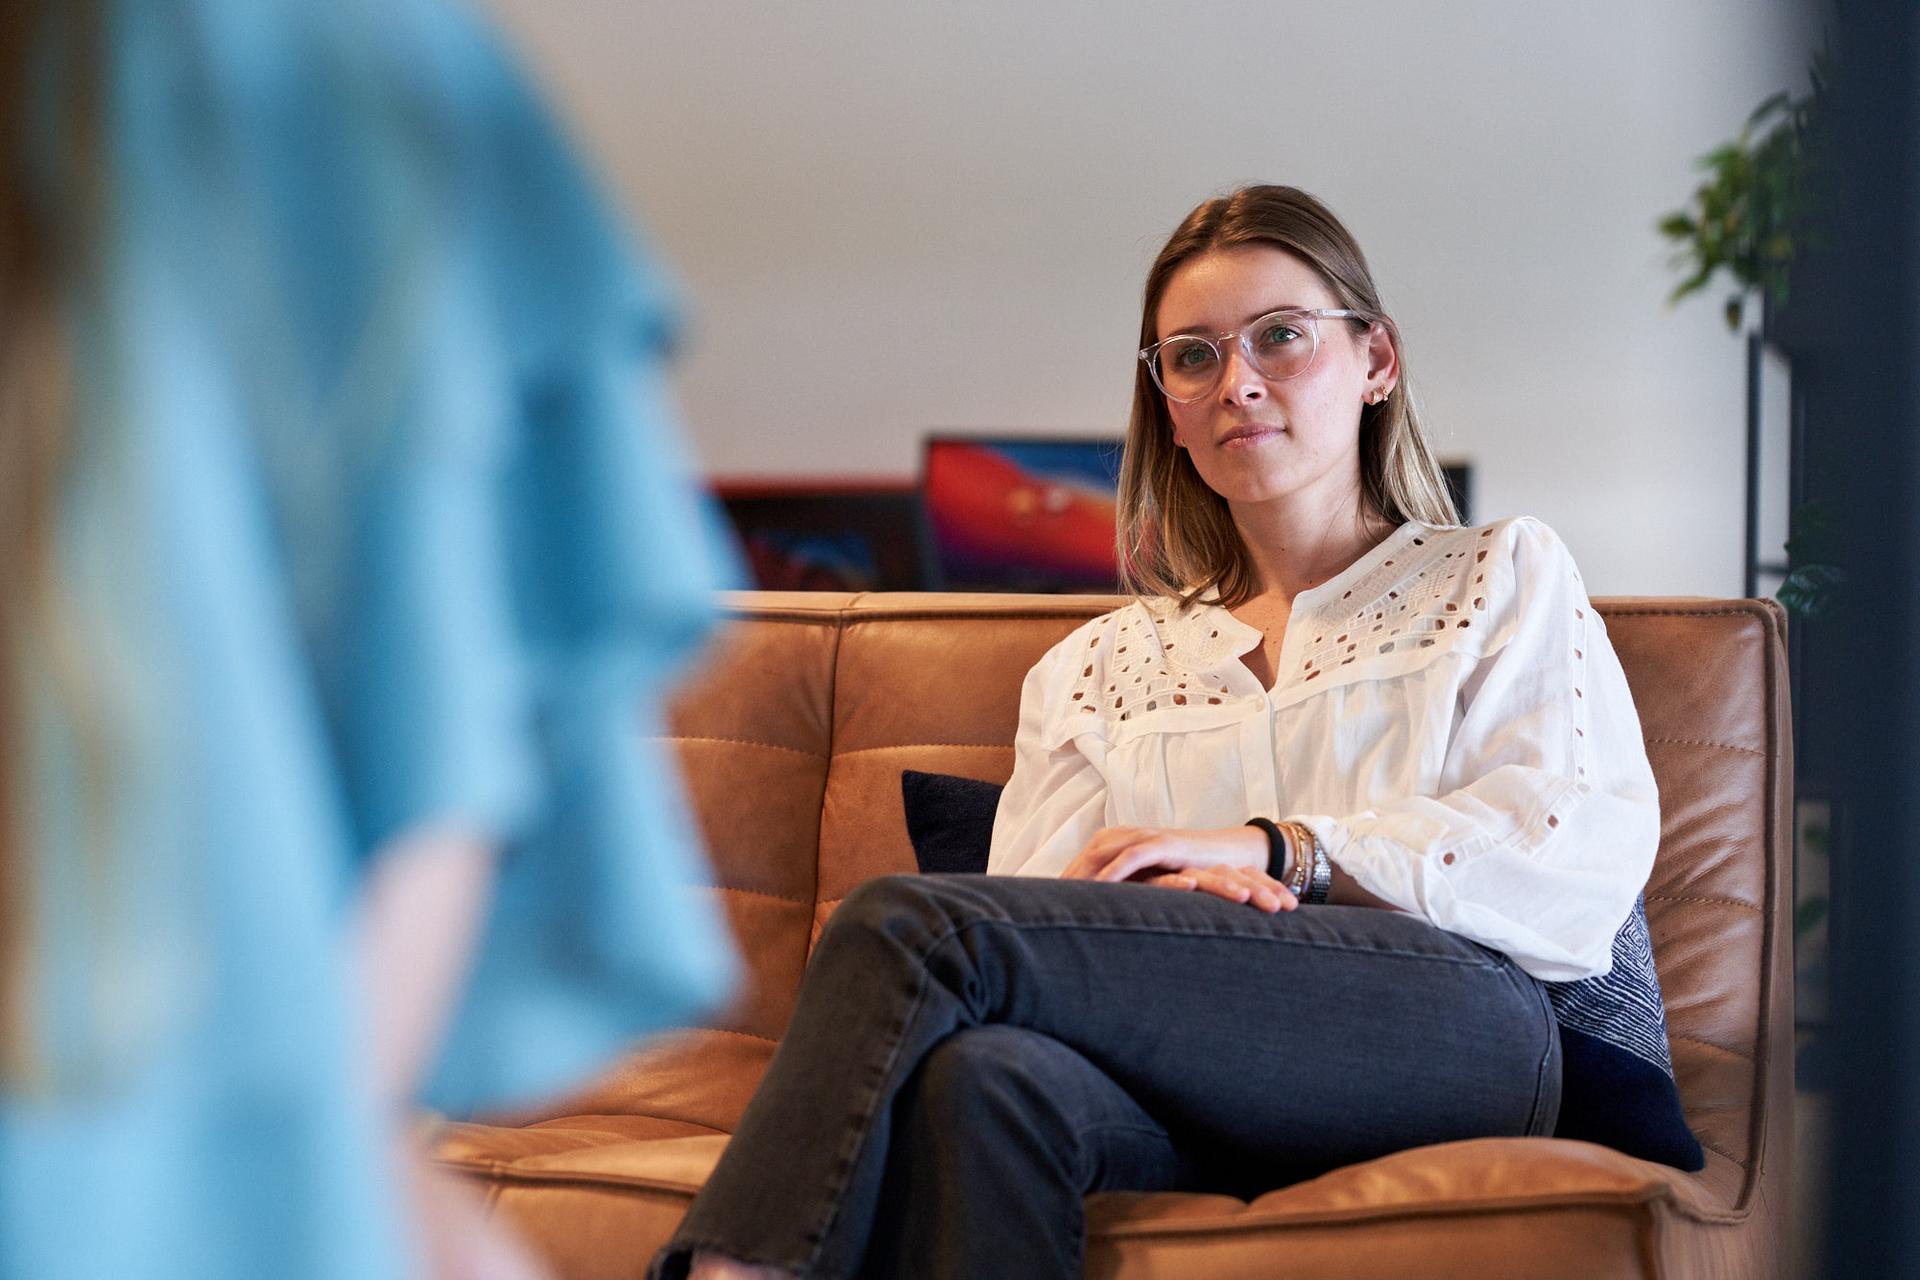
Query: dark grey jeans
point(971, 1055)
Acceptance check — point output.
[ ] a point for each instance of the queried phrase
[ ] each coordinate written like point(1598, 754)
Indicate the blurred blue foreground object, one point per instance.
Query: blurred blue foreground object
point(373, 517)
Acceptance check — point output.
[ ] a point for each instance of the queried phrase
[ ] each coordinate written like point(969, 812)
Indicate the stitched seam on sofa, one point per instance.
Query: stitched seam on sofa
point(913, 746)
point(572, 1124)
point(497, 1172)
point(1654, 611)
point(1681, 1035)
point(1770, 942)
point(1266, 1220)
point(738, 742)
point(826, 777)
point(1701, 742)
point(1709, 899)
point(978, 613)
point(1725, 1155)
point(732, 1031)
point(1647, 1233)
point(748, 612)
point(759, 893)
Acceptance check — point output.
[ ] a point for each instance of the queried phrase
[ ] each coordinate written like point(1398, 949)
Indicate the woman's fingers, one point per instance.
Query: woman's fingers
point(1235, 884)
point(1122, 853)
point(1131, 853)
point(1100, 850)
point(1243, 884)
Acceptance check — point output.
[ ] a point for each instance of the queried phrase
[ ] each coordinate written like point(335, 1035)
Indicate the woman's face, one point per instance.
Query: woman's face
point(1251, 439)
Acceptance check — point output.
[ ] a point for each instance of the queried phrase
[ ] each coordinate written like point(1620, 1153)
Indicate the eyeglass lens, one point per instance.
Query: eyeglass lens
point(1188, 366)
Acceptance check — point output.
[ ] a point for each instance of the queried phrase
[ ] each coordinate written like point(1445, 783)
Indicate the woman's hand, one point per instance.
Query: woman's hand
point(1137, 853)
point(1235, 884)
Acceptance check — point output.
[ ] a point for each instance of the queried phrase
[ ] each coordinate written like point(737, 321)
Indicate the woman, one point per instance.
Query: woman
point(345, 536)
point(1429, 717)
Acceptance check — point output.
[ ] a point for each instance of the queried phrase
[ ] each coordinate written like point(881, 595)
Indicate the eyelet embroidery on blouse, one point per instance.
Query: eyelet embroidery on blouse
point(1401, 606)
point(1140, 675)
point(1162, 657)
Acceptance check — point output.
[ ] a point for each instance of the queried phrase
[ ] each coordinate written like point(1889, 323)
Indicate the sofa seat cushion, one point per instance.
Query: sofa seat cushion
point(1486, 1208)
point(485, 1146)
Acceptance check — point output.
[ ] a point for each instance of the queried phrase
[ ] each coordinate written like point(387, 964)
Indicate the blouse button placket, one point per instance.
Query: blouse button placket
point(1260, 765)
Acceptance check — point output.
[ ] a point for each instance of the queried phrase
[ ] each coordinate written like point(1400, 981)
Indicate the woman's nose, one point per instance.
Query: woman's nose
point(1240, 382)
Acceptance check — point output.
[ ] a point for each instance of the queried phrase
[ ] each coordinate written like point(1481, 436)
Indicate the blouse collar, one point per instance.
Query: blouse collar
point(1247, 635)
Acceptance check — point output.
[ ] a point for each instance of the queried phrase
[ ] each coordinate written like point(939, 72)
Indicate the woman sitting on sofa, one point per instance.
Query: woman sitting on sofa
point(1327, 694)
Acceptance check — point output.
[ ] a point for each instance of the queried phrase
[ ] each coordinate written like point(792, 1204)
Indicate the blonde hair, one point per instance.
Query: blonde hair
point(1176, 536)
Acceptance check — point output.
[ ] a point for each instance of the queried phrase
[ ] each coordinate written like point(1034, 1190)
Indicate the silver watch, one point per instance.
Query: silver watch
point(1320, 883)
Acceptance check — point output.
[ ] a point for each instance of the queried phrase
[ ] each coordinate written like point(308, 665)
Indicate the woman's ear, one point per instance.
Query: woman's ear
point(1383, 363)
point(1383, 359)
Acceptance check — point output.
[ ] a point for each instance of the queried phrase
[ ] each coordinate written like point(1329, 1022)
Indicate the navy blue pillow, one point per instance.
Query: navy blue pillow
point(1617, 1086)
point(949, 820)
point(1618, 1074)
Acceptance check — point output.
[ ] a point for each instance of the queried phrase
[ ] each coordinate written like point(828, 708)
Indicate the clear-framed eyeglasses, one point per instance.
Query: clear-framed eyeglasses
point(1279, 345)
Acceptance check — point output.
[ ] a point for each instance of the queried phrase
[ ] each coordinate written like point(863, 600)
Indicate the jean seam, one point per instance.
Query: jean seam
point(1535, 1127)
point(1320, 943)
point(864, 1121)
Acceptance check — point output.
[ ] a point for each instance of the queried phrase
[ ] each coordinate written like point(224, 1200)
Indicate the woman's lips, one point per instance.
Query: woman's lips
point(1249, 436)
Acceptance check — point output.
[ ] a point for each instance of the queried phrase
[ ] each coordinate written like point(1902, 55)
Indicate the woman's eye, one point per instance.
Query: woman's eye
point(1191, 355)
point(1278, 335)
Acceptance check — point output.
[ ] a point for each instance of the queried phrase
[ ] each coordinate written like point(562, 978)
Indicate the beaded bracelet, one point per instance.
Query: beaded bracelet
point(1319, 884)
point(1302, 841)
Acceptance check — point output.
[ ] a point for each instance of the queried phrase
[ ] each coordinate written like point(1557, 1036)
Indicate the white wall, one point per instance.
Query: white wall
point(861, 196)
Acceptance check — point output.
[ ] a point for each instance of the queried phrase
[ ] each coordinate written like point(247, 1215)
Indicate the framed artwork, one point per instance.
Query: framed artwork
point(827, 534)
point(1020, 513)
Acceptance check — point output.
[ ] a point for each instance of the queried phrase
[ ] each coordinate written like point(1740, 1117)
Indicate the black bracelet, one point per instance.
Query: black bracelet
point(1276, 848)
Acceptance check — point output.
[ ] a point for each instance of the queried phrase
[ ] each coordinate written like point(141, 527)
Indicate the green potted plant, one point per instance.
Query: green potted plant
point(1748, 221)
point(1753, 212)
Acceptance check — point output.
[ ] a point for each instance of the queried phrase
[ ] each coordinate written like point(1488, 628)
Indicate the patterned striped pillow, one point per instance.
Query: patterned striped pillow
point(1617, 1071)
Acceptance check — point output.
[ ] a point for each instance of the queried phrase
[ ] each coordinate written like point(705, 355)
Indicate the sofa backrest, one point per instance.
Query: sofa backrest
point(794, 734)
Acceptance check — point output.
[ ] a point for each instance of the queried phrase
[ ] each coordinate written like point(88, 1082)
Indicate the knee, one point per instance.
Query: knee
point(971, 1076)
point(889, 906)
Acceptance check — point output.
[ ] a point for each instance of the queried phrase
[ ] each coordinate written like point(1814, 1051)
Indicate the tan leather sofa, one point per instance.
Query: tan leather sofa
point(793, 738)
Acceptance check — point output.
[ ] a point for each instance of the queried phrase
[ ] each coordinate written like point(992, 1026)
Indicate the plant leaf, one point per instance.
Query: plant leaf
point(1808, 915)
point(1693, 284)
point(1812, 590)
point(1678, 226)
point(1811, 523)
point(1772, 104)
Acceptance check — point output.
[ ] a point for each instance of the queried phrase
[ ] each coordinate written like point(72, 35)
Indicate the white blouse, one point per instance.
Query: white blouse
point(1449, 718)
